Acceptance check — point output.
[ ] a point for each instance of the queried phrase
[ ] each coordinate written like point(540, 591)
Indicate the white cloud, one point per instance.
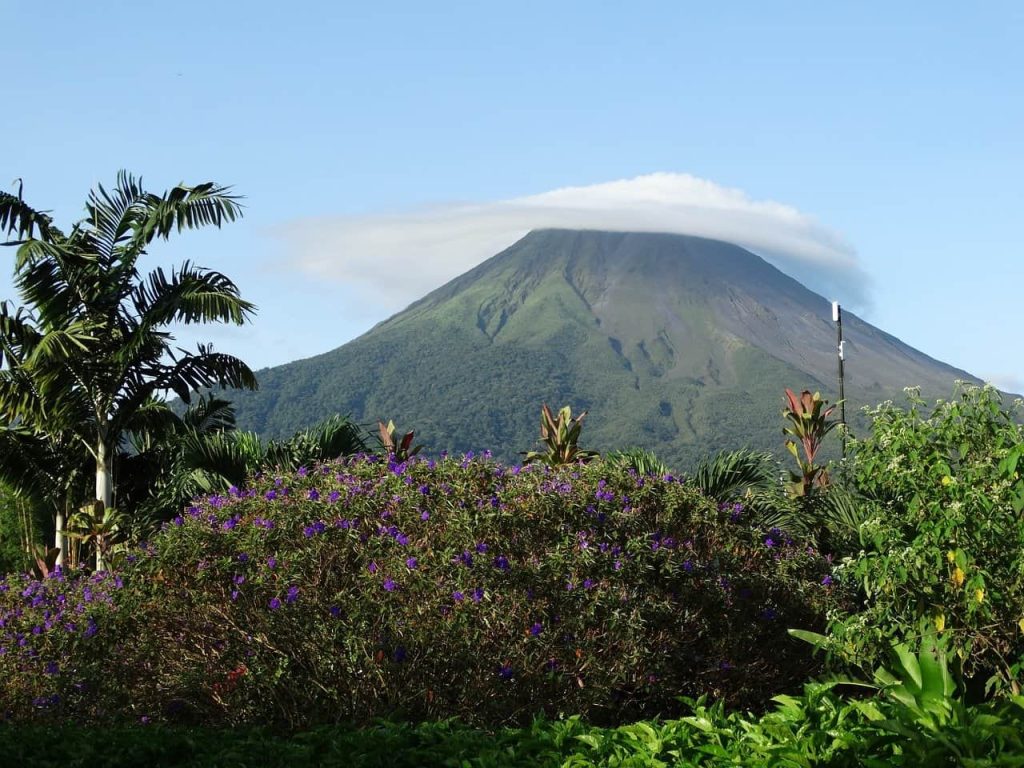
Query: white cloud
point(1006, 382)
point(400, 257)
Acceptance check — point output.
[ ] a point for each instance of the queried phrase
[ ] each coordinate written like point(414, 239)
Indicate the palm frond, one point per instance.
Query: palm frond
point(641, 461)
point(61, 344)
point(113, 217)
point(20, 219)
point(728, 475)
point(18, 335)
point(185, 207)
point(332, 438)
point(189, 295)
point(202, 370)
point(843, 511)
point(209, 414)
point(233, 456)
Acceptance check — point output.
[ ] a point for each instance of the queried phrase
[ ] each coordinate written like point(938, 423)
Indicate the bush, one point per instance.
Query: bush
point(944, 549)
point(423, 590)
point(812, 729)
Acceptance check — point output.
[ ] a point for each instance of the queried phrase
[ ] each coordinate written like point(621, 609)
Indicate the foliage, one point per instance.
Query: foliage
point(83, 361)
point(561, 439)
point(17, 532)
point(204, 454)
point(816, 728)
point(641, 461)
point(396, 450)
point(941, 549)
point(731, 476)
point(425, 589)
point(809, 424)
point(98, 529)
point(44, 560)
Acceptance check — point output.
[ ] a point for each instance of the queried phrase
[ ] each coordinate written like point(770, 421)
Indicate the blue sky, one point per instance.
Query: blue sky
point(885, 140)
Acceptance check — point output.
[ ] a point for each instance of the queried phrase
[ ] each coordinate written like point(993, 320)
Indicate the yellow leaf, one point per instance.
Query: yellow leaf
point(940, 622)
point(958, 576)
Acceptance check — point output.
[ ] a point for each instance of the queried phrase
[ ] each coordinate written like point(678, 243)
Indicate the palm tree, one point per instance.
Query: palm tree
point(91, 353)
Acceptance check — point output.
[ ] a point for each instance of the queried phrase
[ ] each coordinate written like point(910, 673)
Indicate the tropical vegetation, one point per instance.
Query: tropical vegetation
point(84, 360)
point(331, 601)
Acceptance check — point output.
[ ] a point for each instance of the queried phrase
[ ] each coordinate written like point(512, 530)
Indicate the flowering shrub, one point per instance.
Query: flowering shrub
point(424, 589)
point(943, 552)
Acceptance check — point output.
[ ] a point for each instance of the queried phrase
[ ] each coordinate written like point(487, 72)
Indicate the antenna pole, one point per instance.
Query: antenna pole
point(837, 317)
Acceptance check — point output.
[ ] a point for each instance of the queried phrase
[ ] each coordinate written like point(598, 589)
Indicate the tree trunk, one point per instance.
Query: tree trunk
point(104, 490)
point(60, 540)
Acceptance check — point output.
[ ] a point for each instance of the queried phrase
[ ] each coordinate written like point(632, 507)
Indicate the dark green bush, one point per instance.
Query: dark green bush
point(817, 728)
point(425, 590)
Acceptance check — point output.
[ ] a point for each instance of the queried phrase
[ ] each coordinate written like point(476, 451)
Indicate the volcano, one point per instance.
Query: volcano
point(679, 344)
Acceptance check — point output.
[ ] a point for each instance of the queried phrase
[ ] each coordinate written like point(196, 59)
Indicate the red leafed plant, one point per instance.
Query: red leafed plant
point(808, 417)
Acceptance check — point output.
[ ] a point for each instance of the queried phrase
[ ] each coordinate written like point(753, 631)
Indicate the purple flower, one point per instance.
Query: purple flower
point(769, 542)
point(293, 595)
point(333, 496)
point(239, 579)
point(179, 520)
point(234, 594)
point(271, 563)
point(501, 563)
point(481, 547)
point(302, 472)
point(335, 611)
point(411, 563)
point(505, 672)
point(372, 567)
point(400, 654)
point(458, 596)
point(243, 557)
point(274, 604)
point(827, 581)
point(313, 494)
point(424, 515)
point(389, 584)
point(52, 668)
point(588, 583)
point(270, 495)
point(477, 594)
point(536, 629)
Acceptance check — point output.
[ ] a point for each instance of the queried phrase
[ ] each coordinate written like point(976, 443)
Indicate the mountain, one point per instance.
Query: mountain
point(678, 344)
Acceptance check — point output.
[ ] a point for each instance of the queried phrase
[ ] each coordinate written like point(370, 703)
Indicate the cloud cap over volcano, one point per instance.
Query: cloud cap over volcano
point(401, 256)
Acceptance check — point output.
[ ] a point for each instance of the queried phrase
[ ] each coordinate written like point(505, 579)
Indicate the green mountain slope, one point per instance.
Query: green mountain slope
point(675, 343)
